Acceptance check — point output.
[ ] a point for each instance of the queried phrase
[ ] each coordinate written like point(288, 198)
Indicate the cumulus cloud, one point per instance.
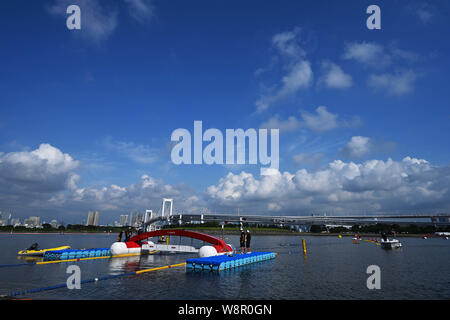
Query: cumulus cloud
point(288, 43)
point(43, 170)
point(342, 187)
point(147, 193)
point(334, 77)
point(375, 55)
point(357, 147)
point(399, 83)
point(367, 53)
point(45, 178)
point(321, 121)
point(28, 179)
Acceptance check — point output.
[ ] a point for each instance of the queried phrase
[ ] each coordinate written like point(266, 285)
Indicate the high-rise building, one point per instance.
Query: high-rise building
point(32, 222)
point(5, 218)
point(133, 218)
point(54, 223)
point(140, 219)
point(123, 219)
point(92, 219)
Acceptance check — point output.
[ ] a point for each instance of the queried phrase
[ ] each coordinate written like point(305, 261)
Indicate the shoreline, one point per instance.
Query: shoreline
point(230, 232)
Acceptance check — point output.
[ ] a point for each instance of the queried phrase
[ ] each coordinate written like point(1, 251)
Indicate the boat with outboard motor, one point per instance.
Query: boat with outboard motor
point(390, 244)
point(387, 243)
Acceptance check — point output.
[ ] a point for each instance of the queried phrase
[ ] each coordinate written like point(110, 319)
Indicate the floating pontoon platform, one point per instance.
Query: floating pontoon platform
point(76, 254)
point(223, 262)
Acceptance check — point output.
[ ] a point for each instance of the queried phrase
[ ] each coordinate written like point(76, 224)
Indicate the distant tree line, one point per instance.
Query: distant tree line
point(376, 228)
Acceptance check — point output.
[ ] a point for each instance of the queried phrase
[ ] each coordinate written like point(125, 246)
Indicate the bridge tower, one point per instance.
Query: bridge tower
point(148, 215)
point(170, 201)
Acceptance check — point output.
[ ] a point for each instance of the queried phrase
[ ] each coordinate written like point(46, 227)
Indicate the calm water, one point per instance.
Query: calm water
point(333, 269)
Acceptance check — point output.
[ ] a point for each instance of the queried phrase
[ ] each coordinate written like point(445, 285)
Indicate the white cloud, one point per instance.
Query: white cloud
point(288, 43)
point(291, 124)
point(357, 147)
point(299, 76)
point(321, 121)
point(307, 158)
point(141, 10)
point(343, 187)
point(45, 179)
point(425, 11)
point(298, 73)
point(335, 77)
point(137, 152)
point(146, 193)
point(367, 53)
point(45, 169)
point(424, 15)
point(399, 83)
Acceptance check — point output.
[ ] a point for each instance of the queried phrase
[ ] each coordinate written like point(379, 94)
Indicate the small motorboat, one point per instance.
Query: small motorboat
point(35, 251)
point(387, 243)
point(390, 244)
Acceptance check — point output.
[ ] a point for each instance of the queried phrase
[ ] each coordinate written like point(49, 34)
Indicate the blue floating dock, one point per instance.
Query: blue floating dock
point(223, 262)
point(70, 254)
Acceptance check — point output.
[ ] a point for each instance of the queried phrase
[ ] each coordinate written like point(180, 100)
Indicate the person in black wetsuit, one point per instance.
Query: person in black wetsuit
point(34, 246)
point(127, 234)
point(242, 241)
point(248, 238)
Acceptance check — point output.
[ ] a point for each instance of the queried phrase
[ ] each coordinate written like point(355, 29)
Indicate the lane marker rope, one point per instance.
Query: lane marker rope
point(62, 285)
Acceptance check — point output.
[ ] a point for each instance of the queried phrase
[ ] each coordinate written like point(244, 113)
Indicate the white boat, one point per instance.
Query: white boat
point(390, 244)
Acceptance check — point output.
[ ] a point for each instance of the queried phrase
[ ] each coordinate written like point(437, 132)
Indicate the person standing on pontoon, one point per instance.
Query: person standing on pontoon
point(242, 241)
point(248, 238)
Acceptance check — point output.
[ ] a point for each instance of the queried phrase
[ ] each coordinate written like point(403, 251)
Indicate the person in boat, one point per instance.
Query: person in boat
point(384, 236)
point(34, 246)
point(242, 241)
point(248, 238)
point(119, 237)
point(138, 232)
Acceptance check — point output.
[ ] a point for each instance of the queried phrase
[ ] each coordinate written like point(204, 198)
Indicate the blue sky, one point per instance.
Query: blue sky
point(110, 95)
